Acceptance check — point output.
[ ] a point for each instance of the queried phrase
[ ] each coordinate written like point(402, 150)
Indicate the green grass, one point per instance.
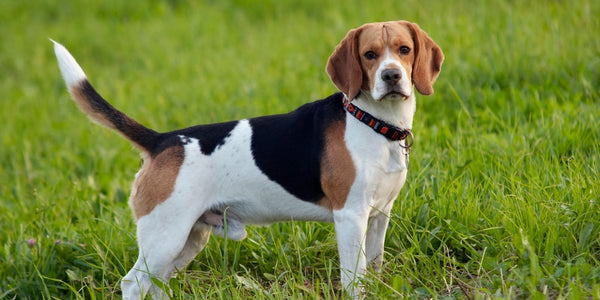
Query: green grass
point(501, 199)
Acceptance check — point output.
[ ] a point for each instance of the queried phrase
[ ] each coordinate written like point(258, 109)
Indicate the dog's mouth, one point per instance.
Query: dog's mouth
point(395, 92)
point(395, 95)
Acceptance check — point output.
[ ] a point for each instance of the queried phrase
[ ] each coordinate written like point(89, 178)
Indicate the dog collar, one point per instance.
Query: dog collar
point(389, 131)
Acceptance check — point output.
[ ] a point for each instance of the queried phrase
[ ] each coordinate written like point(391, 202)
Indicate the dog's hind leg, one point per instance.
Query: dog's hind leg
point(161, 240)
point(196, 241)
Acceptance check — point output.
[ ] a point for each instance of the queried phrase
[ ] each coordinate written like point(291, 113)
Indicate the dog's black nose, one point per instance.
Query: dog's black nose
point(391, 76)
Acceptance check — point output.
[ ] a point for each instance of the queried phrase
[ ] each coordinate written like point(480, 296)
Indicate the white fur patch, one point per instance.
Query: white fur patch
point(380, 88)
point(70, 69)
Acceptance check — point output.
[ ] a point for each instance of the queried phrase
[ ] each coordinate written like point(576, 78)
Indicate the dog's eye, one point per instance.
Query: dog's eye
point(404, 50)
point(370, 55)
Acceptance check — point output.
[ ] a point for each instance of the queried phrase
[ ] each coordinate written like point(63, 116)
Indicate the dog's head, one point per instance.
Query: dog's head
point(385, 59)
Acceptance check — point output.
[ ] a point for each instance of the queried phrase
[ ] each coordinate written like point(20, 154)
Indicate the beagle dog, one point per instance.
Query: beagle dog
point(342, 159)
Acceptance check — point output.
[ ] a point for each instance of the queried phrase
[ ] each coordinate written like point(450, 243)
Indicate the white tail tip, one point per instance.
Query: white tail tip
point(71, 71)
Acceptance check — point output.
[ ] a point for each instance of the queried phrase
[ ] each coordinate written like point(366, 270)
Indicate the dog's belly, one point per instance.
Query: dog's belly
point(255, 212)
point(228, 180)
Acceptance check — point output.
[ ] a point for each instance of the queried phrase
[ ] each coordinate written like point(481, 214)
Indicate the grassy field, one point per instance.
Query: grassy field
point(502, 199)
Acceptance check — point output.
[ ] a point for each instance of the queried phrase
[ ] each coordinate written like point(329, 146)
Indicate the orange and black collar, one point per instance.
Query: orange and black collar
point(389, 131)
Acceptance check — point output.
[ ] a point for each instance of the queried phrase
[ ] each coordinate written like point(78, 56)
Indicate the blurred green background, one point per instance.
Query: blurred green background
point(502, 196)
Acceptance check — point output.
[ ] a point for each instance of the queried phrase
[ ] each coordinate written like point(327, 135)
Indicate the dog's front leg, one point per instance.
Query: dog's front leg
point(376, 237)
point(350, 229)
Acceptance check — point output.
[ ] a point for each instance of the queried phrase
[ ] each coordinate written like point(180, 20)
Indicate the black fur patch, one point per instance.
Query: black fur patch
point(139, 134)
point(210, 136)
point(288, 147)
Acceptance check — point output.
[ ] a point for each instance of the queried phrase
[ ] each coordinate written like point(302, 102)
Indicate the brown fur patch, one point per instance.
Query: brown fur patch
point(156, 180)
point(84, 105)
point(337, 168)
point(381, 37)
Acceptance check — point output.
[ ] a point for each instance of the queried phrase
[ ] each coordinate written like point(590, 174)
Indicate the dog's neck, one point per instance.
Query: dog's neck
point(397, 112)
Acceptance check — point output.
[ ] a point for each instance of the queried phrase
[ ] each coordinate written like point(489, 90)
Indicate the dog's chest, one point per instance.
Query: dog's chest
point(392, 178)
point(398, 159)
point(381, 164)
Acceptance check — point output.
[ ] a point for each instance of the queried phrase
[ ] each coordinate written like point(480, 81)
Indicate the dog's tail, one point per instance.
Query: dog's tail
point(98, 109)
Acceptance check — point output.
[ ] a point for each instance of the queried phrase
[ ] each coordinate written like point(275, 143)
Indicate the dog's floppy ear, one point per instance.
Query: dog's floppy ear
point(344, 67)
point(428, 60)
